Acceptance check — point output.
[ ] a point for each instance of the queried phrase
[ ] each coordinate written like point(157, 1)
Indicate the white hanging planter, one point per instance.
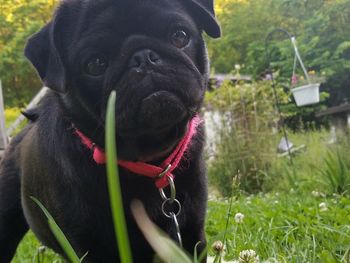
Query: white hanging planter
point(307, 94)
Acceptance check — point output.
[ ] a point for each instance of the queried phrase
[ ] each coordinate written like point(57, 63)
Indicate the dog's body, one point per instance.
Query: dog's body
point(152, 53)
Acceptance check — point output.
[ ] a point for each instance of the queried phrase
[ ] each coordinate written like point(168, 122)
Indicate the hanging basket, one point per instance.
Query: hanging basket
point(307, 94)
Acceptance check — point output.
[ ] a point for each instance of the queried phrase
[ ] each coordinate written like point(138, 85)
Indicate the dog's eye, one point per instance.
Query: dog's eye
point(179, 38)
point(96, 66)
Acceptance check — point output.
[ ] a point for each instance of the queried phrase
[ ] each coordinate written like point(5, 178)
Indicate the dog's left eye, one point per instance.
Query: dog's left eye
point(96, 66)
point(179, 38)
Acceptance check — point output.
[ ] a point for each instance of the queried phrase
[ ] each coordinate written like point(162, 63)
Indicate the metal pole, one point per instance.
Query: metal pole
point(268, 38)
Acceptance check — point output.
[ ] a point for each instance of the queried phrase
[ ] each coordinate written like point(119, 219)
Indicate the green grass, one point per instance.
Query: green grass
point(288, 227)
point(28, 251)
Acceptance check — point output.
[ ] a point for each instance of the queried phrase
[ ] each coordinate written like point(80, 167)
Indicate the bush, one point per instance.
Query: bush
point(11, 114)
point(245, 141)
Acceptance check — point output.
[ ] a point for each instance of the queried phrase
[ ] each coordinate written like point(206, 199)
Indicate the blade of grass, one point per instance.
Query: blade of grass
point(166, 249)
point(58, 233)
point(114, 184)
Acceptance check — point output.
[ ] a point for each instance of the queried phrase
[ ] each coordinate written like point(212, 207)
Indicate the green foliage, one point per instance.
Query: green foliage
point(30, 250)
point(321, 167)
point(59, 235)
point(336, 172)
point(246, 145)
point(284, 227)
point(11, 114)
point(18, 20)
point(114, 184)
point(321, 28)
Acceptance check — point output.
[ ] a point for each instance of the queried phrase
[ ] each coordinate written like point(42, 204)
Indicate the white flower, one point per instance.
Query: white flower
point(276, 202)
point(218, 247)
point(315, 193)
point(239, 218)
point(323, 207)
point(41, 249)
point(318, 194)
point(237, 67)
point(248, 256)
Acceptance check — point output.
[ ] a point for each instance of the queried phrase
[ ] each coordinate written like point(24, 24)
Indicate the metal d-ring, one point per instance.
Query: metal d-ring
point(164, 172)
point(172, 190)
point(171, 214)
point(171, 184)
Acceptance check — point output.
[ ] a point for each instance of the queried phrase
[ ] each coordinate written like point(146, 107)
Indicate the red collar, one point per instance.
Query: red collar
point(159, 173)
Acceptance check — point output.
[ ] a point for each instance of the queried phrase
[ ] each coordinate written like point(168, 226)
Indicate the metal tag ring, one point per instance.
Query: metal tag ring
point(170, 214)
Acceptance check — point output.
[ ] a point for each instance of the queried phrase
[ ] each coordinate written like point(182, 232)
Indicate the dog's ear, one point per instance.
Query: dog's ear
point(43, 53)
point(204, 10)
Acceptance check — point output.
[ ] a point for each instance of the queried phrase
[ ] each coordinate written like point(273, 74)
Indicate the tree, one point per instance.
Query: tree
point(18, 20)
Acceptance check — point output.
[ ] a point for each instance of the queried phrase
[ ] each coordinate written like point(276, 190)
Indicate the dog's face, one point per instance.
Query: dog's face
point(151, 52)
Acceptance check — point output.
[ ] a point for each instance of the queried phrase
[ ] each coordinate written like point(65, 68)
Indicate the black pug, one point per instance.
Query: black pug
point(152, 54)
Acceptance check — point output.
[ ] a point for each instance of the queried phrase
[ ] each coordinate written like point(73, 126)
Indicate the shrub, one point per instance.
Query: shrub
point(245, 141)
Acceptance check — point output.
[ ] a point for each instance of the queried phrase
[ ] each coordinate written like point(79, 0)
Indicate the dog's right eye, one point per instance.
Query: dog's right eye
point(96, 66)
point(179, 38)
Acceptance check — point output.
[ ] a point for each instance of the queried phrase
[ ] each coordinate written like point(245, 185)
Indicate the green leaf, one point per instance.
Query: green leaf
point(114, 184)
point(166, 249)
point(58, 233)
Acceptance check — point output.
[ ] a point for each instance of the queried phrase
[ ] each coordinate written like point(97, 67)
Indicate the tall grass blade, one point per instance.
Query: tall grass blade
point(114, 184)
point(58, 233)
point(166, 249)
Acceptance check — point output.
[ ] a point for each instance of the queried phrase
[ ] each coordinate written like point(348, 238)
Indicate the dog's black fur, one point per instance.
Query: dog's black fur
point(160, 85)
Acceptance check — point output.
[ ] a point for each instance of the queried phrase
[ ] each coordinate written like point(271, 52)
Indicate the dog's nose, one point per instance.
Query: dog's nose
point(144, 57)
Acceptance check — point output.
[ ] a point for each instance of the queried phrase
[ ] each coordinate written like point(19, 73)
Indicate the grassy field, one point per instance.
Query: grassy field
point(285, 227)
point(281, 227)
